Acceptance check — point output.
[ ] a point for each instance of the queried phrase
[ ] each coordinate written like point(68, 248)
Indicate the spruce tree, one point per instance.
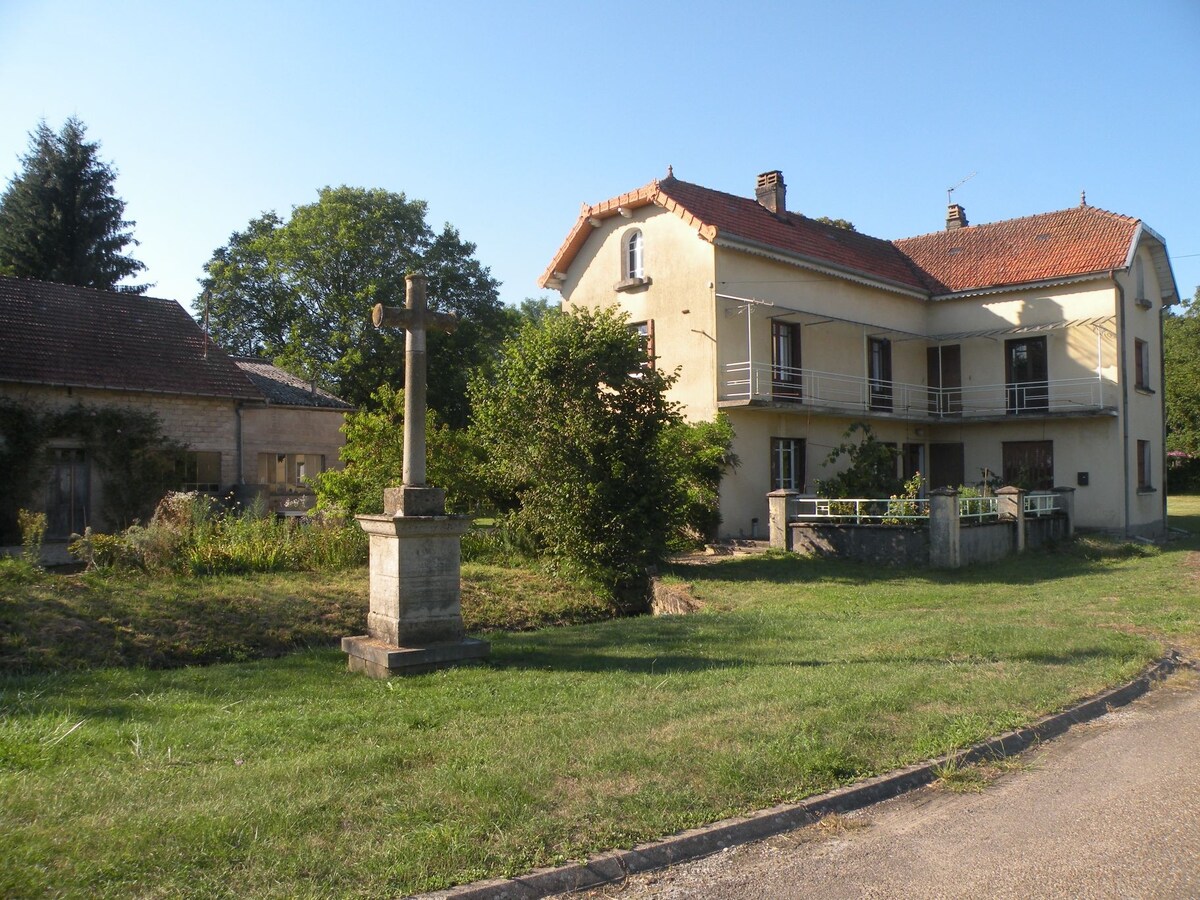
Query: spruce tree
point(60, 219)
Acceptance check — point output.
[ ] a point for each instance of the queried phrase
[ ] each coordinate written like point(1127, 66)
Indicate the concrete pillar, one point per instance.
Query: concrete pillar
point(944, 526)
point(1010, 505)
point(1066, 502)
point(779, 503)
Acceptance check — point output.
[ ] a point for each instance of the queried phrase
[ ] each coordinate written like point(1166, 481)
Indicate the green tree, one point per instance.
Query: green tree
point(571, 427)
point(1181, 358)
point(373, 458)
point(60, 219)
point(300, 292)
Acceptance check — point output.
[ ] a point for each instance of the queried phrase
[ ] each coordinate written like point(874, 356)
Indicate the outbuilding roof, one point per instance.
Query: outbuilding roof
point(284, 388)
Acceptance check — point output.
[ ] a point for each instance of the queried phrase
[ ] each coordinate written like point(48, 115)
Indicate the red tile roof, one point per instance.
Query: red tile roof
point(741, 217)
point(70, 336)
point(1072, 242)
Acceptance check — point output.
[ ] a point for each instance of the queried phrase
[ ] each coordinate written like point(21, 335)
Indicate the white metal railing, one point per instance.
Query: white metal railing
point(1041, 505)
point(763, 381)
point(866, 511)
point(859, 511)
point(978, 509)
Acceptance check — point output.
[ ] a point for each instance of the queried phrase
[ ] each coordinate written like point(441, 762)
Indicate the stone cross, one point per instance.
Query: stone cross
point(416, 319)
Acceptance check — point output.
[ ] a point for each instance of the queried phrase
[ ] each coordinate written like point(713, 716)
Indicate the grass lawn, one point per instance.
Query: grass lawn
point(291, 777)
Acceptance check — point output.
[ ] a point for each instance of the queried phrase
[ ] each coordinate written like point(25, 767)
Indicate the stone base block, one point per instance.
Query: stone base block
point(378, 659)
point(414, 501)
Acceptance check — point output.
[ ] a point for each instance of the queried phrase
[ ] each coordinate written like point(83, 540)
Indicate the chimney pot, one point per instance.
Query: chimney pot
point(956, 217)
point(771, 192)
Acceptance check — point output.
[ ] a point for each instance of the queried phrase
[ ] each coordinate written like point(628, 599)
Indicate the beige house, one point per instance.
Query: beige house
point(249, 427)
point(1028, 350)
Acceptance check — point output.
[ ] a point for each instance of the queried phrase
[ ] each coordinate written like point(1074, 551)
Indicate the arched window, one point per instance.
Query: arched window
point(633, 255)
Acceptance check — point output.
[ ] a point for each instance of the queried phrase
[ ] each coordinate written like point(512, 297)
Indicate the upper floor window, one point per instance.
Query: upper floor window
point(633, 266)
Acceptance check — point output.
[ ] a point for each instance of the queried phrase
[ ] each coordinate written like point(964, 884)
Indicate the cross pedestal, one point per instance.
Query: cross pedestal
point(415, 620)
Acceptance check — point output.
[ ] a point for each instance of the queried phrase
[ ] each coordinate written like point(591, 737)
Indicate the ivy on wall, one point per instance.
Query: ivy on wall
point(127, 449)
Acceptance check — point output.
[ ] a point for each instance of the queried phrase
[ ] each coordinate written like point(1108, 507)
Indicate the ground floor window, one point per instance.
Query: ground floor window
point(946, 466)
point(1029, 464)
point(1143, 466)
point(285, 473)
point(199, 470)
point(787, 464)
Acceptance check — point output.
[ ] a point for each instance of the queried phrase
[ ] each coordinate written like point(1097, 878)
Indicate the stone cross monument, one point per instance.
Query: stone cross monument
point(415, 619)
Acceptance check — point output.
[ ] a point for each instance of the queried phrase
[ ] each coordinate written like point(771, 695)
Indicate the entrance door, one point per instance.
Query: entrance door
point(944, 367)
point(66, 493)
point(1026, 375)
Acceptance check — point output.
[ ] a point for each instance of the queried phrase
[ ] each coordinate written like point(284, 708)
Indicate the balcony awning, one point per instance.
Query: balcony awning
point(1098, 322)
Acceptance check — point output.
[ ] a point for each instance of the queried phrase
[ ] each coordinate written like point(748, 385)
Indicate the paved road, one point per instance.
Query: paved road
point(1111, 809)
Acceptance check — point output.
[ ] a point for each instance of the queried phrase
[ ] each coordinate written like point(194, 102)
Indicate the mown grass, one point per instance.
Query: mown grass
point(292, 777)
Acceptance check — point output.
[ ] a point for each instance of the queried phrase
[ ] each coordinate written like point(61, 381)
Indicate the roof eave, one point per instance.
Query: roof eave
point(1024, 285)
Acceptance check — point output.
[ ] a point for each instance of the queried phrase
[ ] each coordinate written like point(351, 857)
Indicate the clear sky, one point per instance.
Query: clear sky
point(505, 116)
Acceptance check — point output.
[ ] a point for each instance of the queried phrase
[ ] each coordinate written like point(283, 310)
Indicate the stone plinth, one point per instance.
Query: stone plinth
point(415, 620)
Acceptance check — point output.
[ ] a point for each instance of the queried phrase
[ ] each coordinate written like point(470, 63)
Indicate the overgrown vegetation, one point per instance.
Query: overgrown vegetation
point(191, 534)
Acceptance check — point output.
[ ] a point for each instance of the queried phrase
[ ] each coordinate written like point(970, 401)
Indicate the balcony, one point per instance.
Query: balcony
point(762, 384)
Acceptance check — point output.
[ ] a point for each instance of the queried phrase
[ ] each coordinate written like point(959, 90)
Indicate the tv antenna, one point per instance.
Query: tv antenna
point(951, 190)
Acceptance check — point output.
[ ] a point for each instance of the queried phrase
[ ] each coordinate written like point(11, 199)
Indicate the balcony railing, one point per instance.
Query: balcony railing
point(831, 390)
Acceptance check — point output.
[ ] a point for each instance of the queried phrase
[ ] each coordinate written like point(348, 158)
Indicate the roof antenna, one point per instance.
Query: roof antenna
point(951, 190)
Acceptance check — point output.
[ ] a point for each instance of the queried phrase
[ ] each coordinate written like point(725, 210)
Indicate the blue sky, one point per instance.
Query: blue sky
point(504, 117)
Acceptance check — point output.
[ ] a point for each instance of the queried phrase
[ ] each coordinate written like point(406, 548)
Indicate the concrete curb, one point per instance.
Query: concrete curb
point(613, 866)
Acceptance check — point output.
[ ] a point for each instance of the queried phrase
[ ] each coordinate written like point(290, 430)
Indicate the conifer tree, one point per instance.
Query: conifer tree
point(60, 219)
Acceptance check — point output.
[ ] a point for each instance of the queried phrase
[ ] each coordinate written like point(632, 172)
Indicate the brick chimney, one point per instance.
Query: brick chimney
point(771, 192)
point(956, 217)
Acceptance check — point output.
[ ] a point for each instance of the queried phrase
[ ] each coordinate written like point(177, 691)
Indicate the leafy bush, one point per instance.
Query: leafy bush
point(572, 426)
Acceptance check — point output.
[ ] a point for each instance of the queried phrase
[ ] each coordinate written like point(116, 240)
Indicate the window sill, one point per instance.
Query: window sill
point(632, 284)
point(1147, 490)
point(1149, 392)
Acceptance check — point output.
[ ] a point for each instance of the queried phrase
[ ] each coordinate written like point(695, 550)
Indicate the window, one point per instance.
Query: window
point(199, 470)
point(785, 359)
point(633, 267)
point(1144, 468)
point(285, 472)
point(1141, 364)
point(787, 464)
point(1029, 464)
point(879, 372)
point(645, 336)
point(1026, 374)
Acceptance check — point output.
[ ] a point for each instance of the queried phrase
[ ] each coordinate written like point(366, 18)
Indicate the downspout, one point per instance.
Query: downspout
point(1123, 379)
point(1162, 389)
point(237, 410)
